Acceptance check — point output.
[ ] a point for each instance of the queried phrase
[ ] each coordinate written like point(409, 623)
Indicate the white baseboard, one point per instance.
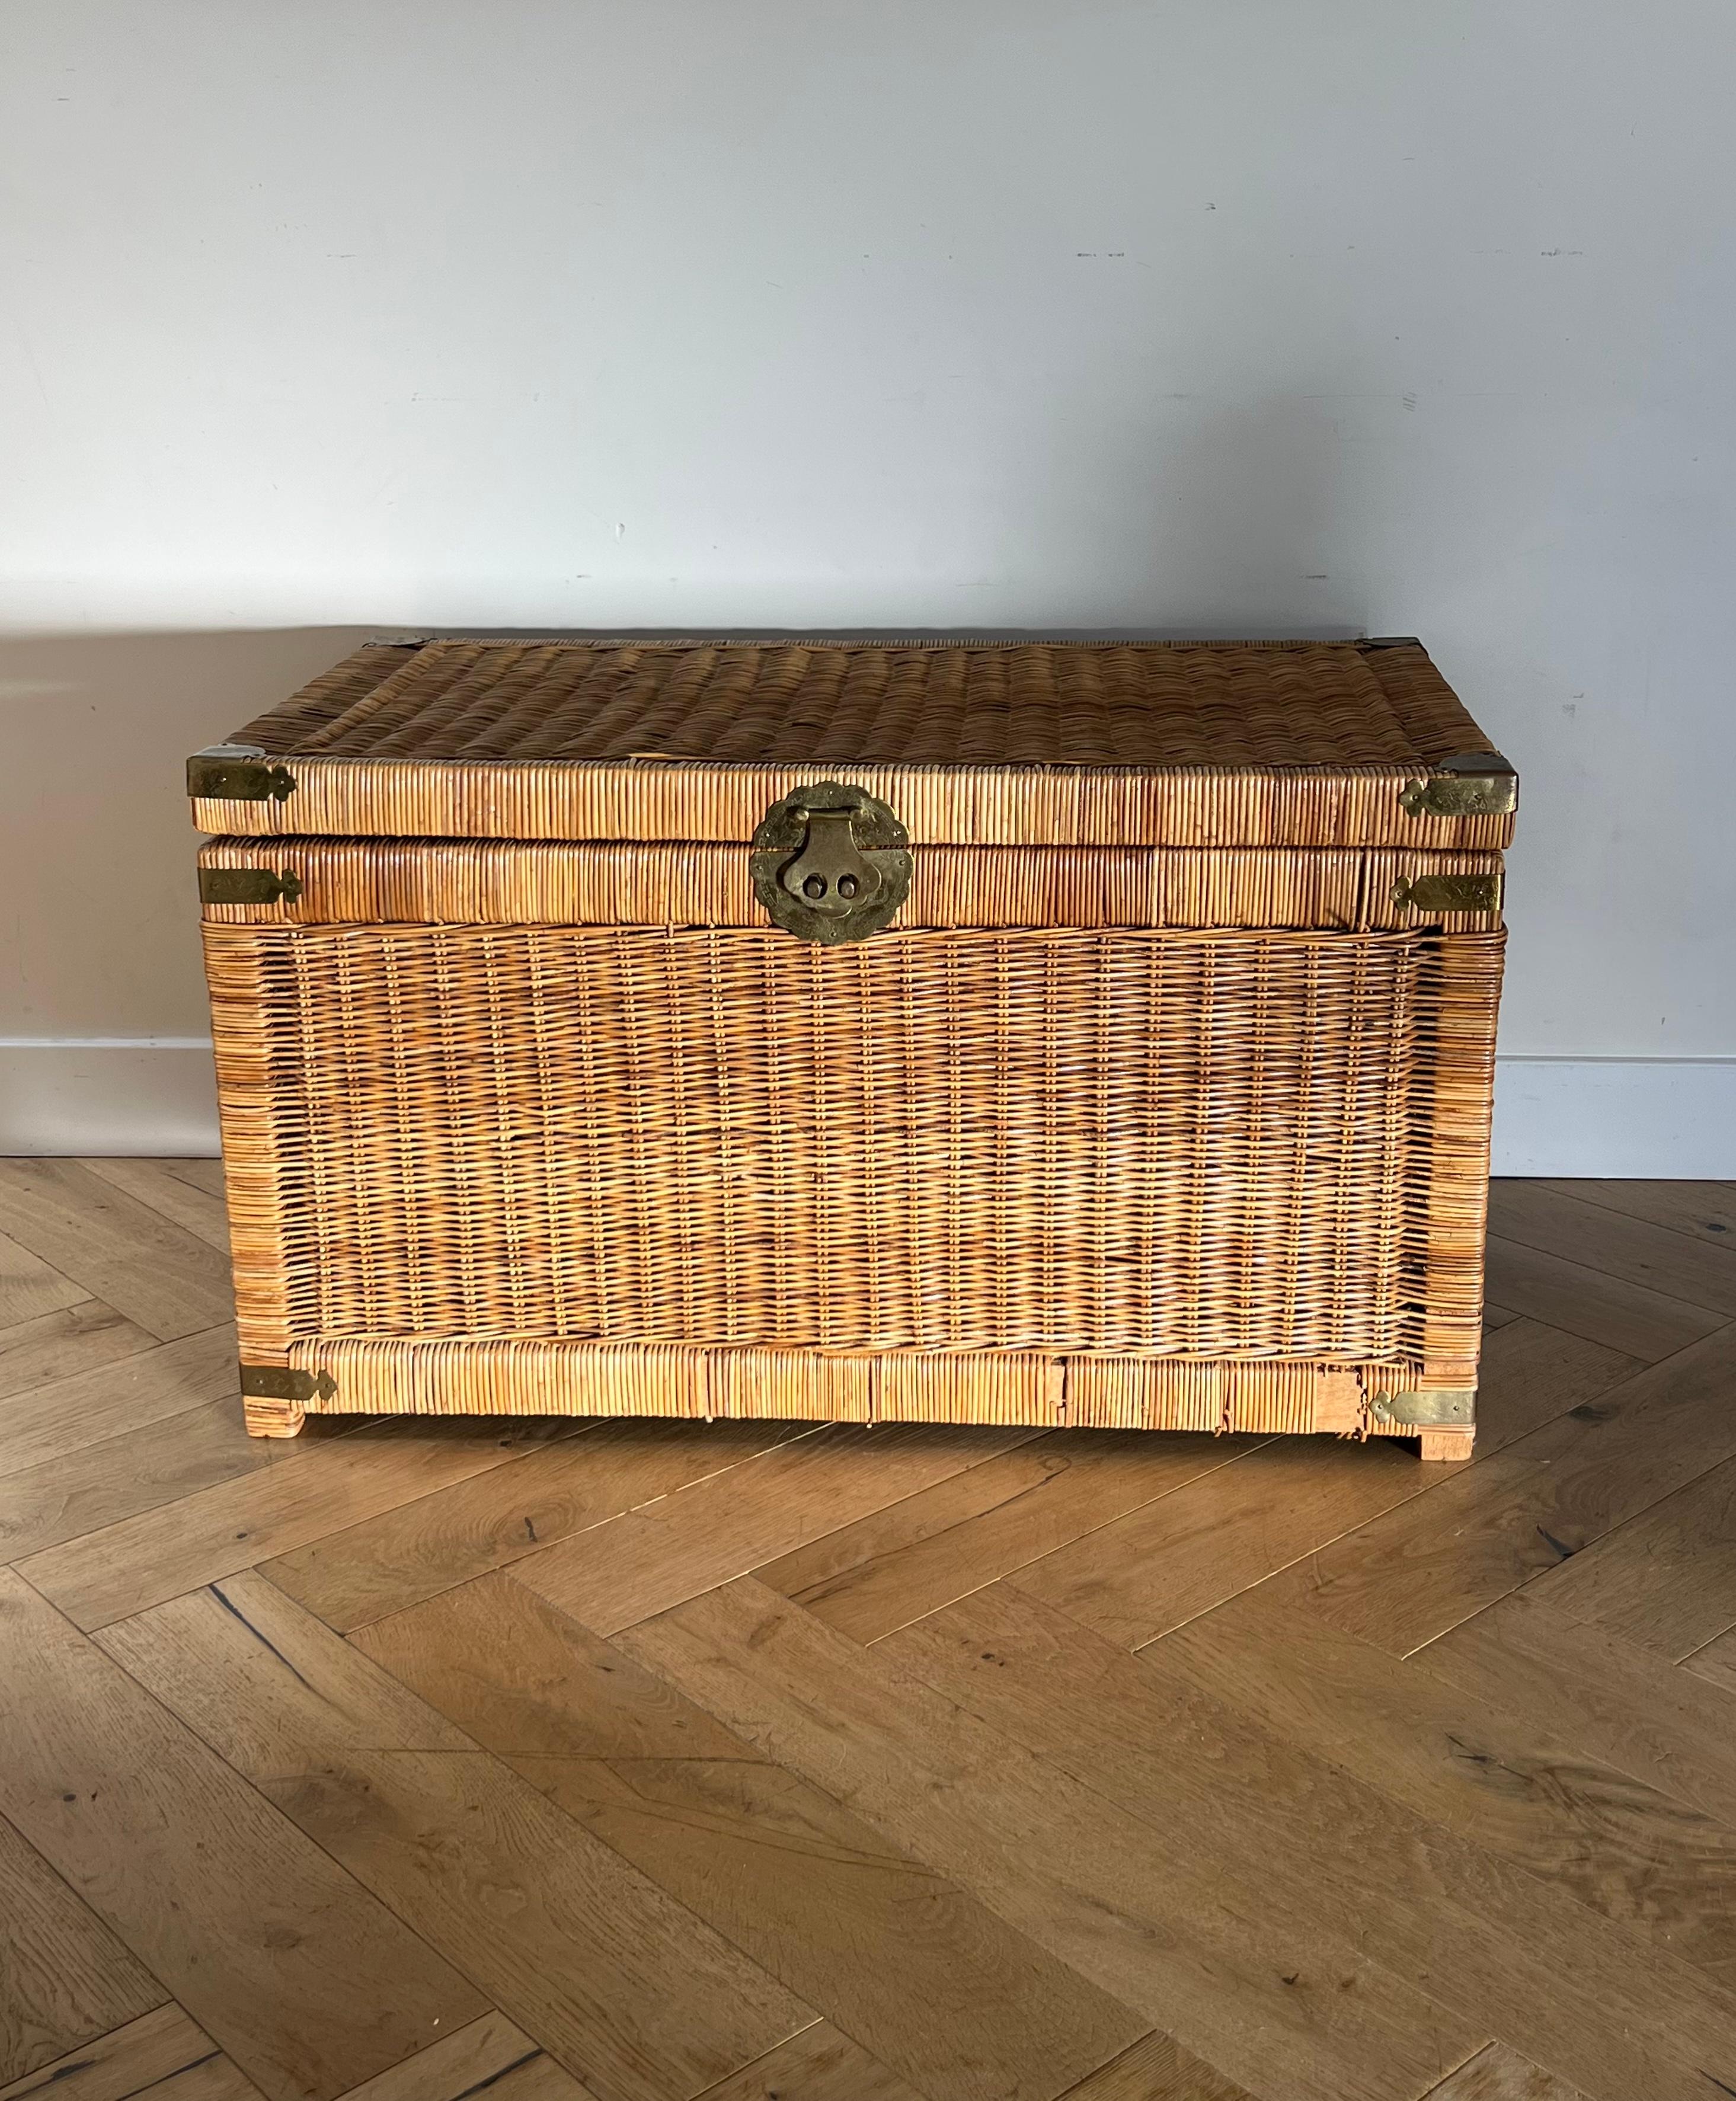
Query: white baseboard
point(105, 1099)
point(1662, 1118)
point(1655, 1119)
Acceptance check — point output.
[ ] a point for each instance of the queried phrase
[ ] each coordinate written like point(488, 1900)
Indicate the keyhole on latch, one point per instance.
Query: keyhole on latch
point(829, 874)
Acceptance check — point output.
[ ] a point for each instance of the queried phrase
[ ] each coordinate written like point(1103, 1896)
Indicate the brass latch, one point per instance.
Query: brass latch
point(281, 1383)
point(1474, 784)
point(1449, 893)
point(248, 886)
point(831, 863)
point(1450, 1407)
point(236, 773)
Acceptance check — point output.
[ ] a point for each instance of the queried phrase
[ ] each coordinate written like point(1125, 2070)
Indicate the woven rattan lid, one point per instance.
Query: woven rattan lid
point(1186, 744)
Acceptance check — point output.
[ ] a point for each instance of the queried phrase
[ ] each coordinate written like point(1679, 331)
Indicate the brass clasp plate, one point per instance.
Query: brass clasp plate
point(831, 863)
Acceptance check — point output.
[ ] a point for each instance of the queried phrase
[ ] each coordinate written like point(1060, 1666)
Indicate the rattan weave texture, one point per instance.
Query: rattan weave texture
point(1227, 705)
point(488, 882)
point(1253, 744)
point(1213, 1145)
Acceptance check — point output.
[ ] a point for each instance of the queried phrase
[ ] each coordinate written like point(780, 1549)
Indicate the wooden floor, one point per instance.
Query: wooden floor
point(644, 1761)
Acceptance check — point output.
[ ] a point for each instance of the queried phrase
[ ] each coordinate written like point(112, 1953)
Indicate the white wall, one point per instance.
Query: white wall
point(1227, 316)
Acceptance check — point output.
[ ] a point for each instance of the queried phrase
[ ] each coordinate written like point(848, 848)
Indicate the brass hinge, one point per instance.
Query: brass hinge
point(236, 773)
point(248, 886)
point(1475, 784)
point(1448, 1409)
point(281, 1383)
point(1449, 893)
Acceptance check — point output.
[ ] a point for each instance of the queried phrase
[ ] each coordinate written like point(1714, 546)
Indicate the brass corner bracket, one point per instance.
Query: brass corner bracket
point(1472, 784)
point(249, 886)
point(236, 773)
point(283, 1383)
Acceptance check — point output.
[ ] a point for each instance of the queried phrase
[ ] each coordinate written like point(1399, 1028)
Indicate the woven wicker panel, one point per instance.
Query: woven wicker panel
point(1161, 704)
point(960, 806)
point(533, 1377)
point(1297, 744)
point(464, 881)
point(1219, 1145)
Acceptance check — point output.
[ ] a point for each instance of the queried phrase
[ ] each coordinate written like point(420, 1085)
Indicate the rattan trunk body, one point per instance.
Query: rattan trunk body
point(1037, 1033)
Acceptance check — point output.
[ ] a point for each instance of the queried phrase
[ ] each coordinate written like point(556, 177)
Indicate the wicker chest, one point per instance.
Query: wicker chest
point(1087, 1034)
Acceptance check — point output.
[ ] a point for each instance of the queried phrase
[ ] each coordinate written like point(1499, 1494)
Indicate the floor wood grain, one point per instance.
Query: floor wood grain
point(163, 2055)
point(155, 1273)
point(442, 1760)
point(67, 1977)
point(271, 1947)
point(613, 1976)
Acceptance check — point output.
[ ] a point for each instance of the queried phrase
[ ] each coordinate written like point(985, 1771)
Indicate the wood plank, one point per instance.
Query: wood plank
point(1705, 1209)
point(393, 1560)
point(29, 1287)
point(206, 1174)
point(632, 1994)
point(954, 2000)
point(122, 1251)
point(157, 1184)
point(163, 2055)
point(1636, 1855)
point(1141, 1912)
point(1133, 1580)
point(1500, 2074)
point(493, 2055)
point(896, 1564)
point(307, 1981)
point(1157, 2068)
point(64, 1976)
point(140, 1470)
point(69, 1414)
point(650, 1559)
point(1628, 1317)
point(1407, 1576)
point(1619, 1704)
point(524, 1680)
point(1311, 1842)
point(1681, 1266)
point(323, 1485)
point(1497, 1316)
point(819, 2064)
point(1716, 1662)
point(58, 1345)
point(1667, 1578)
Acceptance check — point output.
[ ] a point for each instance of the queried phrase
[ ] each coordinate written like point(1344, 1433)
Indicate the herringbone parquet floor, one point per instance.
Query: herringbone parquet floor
point(643, 1761)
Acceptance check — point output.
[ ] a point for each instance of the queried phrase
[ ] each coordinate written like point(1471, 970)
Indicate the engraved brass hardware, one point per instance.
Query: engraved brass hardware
point(281, 1383)
point(236, 773)
point(248, 886)
point(1449, 893)
point(1453, 1408)
point(831, 863)
point(1475, 784)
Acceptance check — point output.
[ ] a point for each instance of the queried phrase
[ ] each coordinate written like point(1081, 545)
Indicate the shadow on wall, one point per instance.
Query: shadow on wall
point(102, 1001)
point(103, 1019)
